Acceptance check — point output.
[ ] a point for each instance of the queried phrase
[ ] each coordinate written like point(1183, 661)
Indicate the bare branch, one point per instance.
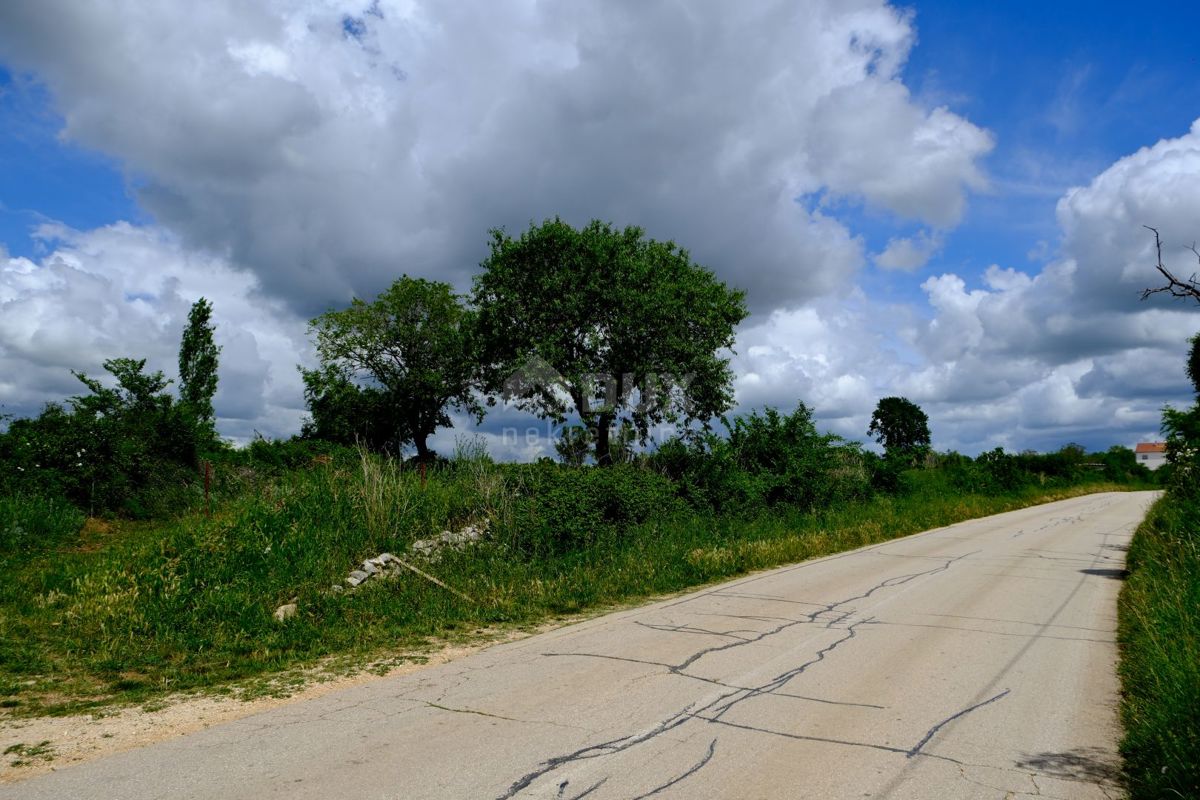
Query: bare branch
point(1176, 287)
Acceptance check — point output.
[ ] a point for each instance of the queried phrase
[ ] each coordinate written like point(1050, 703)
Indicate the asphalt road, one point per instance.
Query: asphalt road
point(971, 661)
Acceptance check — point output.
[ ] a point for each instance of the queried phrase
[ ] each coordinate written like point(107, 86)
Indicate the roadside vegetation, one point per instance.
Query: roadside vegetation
point(101, 610)
point(1160, 623)
point(140, 555)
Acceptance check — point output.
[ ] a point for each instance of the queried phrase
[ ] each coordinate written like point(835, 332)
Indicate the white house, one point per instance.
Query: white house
point(1151, 454)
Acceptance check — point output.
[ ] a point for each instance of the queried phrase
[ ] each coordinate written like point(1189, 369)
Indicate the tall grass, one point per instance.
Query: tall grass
point(1160, 652)
point(31, 521)
point(188, 603)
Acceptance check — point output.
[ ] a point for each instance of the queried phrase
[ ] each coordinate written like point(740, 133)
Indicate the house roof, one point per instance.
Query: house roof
point(1151, 447)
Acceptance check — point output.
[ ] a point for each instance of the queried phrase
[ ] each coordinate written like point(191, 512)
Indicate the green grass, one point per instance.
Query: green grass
point(1160, 652)
point(131, 612)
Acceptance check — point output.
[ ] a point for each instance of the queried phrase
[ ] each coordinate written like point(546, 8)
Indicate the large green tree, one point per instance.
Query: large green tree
point(901, 427)
point(198, 367)
point(412, 345)
point(605, 322)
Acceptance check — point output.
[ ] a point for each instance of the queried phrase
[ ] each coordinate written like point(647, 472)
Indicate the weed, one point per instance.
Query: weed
point(29, 753)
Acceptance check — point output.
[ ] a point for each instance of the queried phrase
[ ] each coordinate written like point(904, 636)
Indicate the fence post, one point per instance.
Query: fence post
point(207, 488)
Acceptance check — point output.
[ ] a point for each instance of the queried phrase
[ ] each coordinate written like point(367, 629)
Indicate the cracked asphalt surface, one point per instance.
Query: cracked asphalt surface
point(972, 661)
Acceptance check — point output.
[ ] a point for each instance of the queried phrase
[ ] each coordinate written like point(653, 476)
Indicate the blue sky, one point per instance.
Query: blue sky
point(1067, 87)
point(44, 178)
point(270, 161)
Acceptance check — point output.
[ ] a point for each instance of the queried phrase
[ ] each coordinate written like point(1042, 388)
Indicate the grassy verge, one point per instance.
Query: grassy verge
point(1160, 652)
point(131, 612)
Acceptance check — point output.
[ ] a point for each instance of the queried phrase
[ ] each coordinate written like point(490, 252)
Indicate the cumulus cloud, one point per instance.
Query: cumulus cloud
point(1071, 350)
point(1011, 359)
point(124, 290)
point(329, 145)
point(1102, 223)
point(908, 253)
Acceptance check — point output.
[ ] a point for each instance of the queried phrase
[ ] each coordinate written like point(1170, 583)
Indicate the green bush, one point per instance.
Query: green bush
point(769, 459)
point(559, 508)
point(706, 474)
point(280, 455)
point(1002, 471)
point(127, 449)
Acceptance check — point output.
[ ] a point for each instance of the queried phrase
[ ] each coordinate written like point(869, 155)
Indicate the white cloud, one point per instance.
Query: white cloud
point(1072, 351)
point(328, 148)
point(1021, 360)
point(1102, 222)
point(123, 290)
point(908, 254)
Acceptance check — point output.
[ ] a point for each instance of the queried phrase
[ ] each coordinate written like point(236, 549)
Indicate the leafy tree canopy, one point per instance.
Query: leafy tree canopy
point(343, 412)
point(901, 427)
point(608, 322)
point(410, 351)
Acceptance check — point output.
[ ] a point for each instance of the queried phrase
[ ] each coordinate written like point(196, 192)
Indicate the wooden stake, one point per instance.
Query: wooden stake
point(207, 487)
point(432, 579)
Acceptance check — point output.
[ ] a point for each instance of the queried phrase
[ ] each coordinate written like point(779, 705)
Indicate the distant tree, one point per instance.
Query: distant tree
point(1073, 450)
point(901, 427)
point(198, 368)
point(1175, 286)
point(573, 445)
point(1121, 464)
point(607, 322)
point(413, 345)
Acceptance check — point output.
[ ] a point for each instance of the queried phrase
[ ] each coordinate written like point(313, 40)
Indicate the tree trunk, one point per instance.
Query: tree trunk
point(603, 451)
point(422, 449)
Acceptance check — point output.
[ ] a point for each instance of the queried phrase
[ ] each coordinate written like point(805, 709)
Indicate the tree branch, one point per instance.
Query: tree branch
point(1176, 287)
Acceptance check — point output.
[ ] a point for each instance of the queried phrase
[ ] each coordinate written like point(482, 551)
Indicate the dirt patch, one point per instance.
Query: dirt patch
point(36, 745)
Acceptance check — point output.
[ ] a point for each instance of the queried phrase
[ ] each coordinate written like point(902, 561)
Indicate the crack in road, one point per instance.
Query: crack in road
point(733, 634)
point(829, 608)
point(780, 680)
point(1004, 670)
point(712, 749)
point(1034, 635)
point(595, 751)
point(916, 750)
point(713, 711)
point(562, 788)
